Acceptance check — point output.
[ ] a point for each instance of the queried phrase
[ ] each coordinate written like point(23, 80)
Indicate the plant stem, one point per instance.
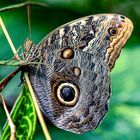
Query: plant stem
point(40, 117)
point(21, 4)
point(9, 39)
point(11, 124)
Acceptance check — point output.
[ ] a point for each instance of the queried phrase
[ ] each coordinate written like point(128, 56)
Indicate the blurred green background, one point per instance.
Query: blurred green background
point(123, 120)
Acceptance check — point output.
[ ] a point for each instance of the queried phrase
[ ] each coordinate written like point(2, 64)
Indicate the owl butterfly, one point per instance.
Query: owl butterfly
point(72, 81)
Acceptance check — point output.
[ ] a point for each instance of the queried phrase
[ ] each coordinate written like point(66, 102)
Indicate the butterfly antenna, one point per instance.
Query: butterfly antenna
point(29, 18)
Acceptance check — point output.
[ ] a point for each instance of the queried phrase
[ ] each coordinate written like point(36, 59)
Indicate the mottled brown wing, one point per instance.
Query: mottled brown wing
point(73, 85)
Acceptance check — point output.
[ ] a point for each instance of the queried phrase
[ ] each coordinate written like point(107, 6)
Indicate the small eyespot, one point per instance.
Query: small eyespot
point(77, 71)
point(66, 53)
point(113, 31)
point(67, 94)
point(123, 17)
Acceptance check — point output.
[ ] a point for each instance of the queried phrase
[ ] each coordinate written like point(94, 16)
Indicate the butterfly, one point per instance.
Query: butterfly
point(72, 82)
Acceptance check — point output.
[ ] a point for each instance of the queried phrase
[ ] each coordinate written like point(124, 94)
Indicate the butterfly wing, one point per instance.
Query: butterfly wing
point(73, 85)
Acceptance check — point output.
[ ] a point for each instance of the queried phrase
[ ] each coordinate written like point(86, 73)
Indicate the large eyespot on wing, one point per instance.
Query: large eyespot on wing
point(67, 94)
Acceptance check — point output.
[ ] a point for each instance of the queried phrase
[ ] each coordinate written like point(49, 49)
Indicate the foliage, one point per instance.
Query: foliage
point(24, 117)
point(123, 120)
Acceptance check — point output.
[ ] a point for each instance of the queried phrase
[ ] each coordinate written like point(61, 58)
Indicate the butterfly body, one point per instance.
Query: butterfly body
point(72, 84)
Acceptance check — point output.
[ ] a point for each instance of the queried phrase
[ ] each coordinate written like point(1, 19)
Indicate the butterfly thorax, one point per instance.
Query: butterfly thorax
point(32, 53)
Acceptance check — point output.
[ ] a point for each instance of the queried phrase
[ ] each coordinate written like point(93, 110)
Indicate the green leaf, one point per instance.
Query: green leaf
point(24, 117)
